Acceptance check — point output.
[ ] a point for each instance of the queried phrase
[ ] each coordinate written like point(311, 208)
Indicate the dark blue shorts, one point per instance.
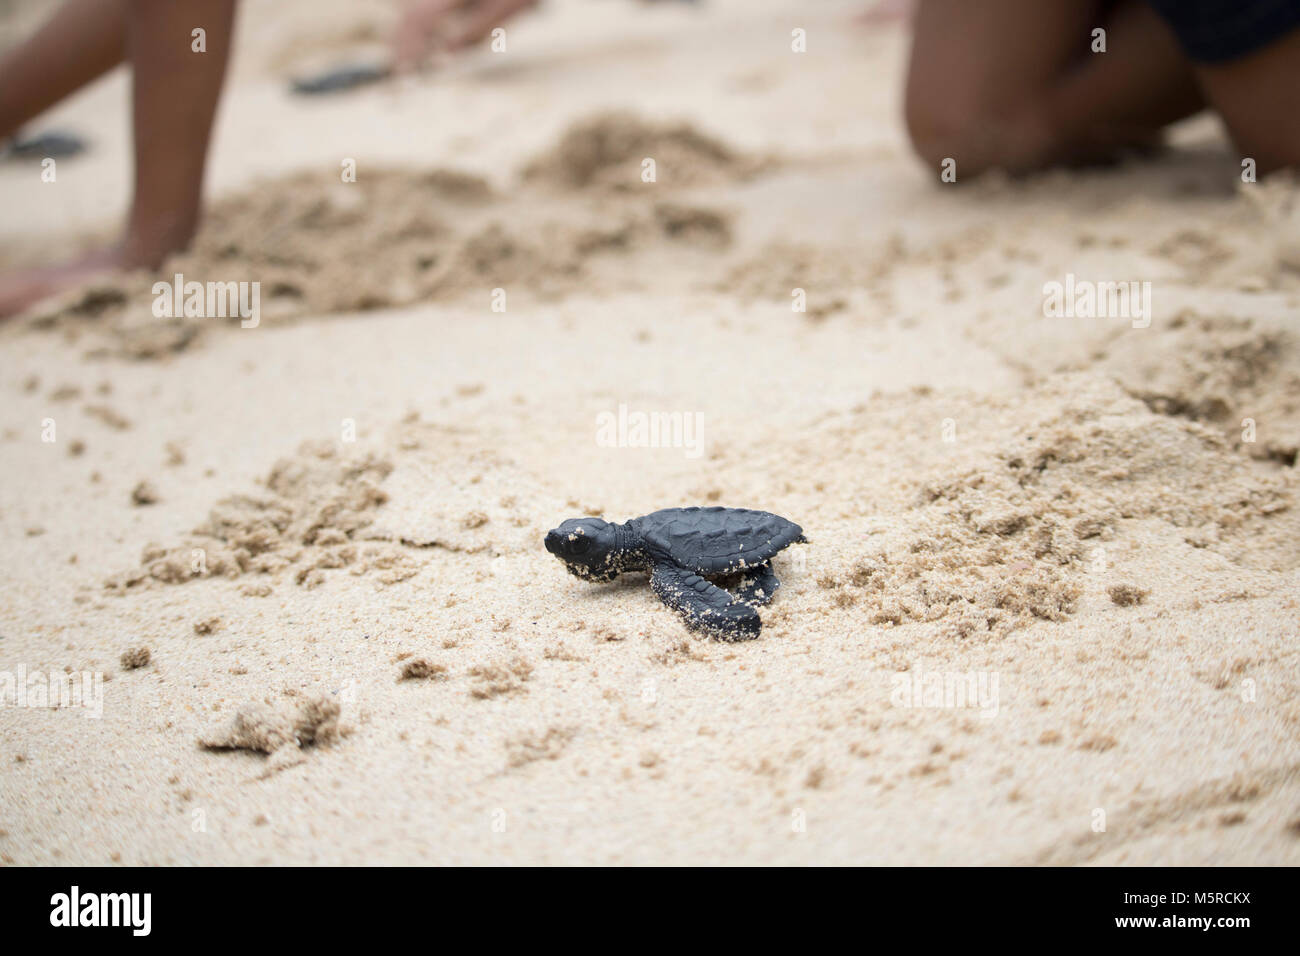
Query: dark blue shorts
point(1212, 31)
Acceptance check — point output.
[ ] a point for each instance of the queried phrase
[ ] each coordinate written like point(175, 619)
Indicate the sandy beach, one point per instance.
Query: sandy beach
point(326, 529)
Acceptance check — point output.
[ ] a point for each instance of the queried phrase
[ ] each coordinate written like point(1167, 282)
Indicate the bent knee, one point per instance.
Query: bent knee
point(976, 136)
point(935, 130)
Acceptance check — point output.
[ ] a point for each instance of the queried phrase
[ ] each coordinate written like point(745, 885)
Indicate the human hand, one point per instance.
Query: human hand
point(446, 26)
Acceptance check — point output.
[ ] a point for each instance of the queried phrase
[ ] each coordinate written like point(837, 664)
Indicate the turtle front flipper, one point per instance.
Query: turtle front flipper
point(758, 586)
point(705, 606)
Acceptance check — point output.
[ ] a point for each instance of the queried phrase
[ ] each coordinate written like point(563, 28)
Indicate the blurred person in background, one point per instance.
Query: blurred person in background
point(1023, 84)
point(1010, 84)
point(174, 96)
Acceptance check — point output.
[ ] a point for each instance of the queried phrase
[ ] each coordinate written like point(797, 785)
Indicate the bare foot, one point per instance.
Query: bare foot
point(21, 290)
point(415, 33)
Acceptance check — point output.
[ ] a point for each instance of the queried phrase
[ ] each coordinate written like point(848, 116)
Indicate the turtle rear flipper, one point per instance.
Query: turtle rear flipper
point(704, 606)
point(758, 586)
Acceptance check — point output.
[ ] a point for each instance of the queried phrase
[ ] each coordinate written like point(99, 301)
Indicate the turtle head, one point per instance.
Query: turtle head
point(587, 546)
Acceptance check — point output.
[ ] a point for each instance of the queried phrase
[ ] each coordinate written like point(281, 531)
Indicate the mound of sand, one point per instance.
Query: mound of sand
point(309, 518)
point(607, 151)
point(453, 489)
point(320, 246)
point(1277, 203)
point(1237, 374)
point(1008, 530)
point(321, 509)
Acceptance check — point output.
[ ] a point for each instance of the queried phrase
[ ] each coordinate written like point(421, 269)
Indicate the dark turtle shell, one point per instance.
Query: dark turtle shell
point(716, 540)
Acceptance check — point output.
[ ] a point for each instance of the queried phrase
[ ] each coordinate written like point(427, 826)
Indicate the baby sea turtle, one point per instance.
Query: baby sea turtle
point(683, 548)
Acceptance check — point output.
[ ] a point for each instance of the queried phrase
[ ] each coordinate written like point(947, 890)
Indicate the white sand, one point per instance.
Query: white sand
point(569, 723)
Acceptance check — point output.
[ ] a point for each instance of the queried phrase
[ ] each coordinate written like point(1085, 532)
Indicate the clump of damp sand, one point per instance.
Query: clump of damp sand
point(133, 658)
point(280, 733)
point(265, 729)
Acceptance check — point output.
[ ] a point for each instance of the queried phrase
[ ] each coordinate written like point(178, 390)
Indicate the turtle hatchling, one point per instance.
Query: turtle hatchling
point(683, 548)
